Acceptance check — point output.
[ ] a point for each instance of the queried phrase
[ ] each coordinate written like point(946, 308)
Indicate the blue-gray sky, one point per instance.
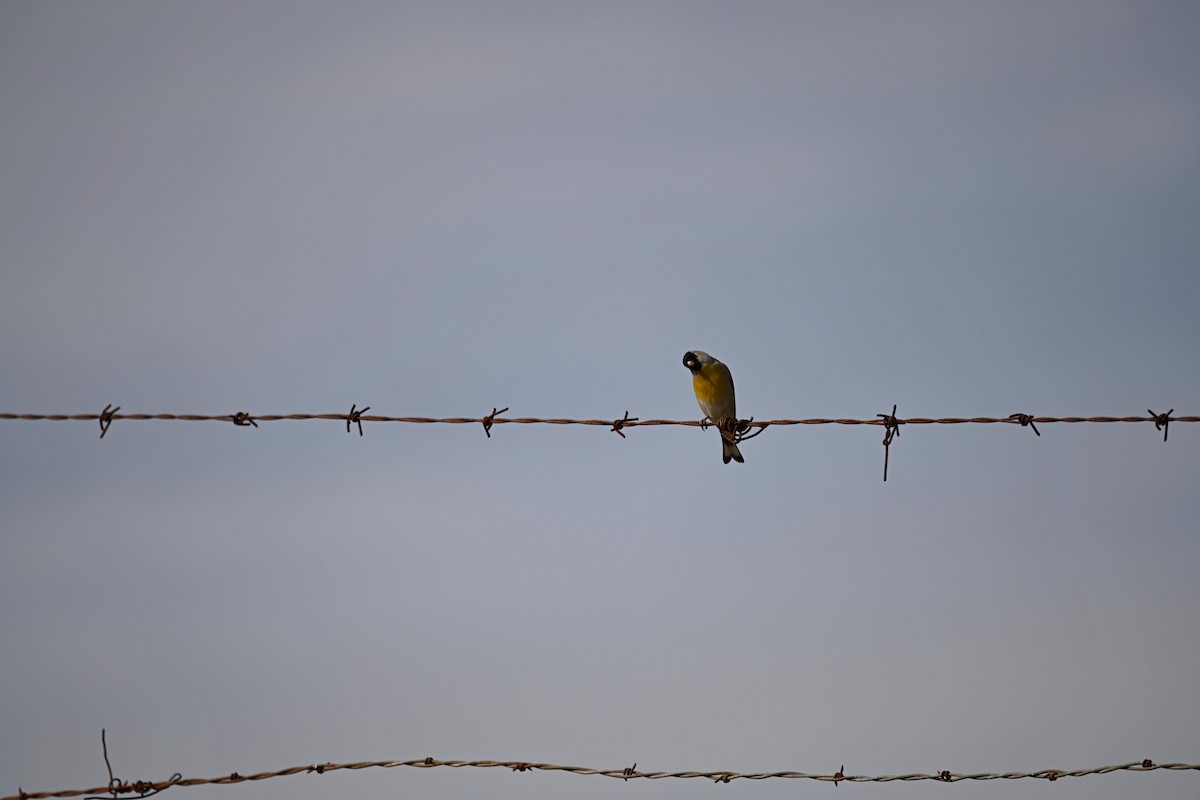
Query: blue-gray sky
point(438, 208)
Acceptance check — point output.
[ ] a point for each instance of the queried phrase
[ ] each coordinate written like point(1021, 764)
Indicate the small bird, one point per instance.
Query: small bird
point(714, 393)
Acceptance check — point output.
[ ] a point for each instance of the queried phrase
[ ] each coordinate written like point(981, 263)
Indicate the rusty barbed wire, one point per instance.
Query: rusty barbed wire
point(145, 788)
point(735, 430)
point(740, 426)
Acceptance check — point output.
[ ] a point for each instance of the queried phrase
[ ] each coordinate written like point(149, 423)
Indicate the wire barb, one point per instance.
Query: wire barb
point(491, 418)
point(106, 418)
point(621, 423)
point(117, 787)
point(629, 772)
point(744, 425)
point(891, 427)
point(1026, 420)
point(355, 416)
point(734, 430)
point(1161, 421)
point(107, 763)
point(840, 775)
point(242, 419)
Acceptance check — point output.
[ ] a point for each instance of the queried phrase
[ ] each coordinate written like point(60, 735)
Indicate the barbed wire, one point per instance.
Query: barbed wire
point(357, 416)
point(116, 787)
point(736, 430)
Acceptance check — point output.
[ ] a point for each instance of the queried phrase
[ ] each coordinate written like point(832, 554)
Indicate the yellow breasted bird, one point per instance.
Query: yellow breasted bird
point(714, 393)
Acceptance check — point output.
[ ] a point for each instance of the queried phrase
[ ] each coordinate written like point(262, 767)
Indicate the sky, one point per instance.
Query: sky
point(437, 209)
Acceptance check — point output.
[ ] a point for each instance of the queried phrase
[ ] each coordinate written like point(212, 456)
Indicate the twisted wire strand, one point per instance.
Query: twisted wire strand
point(144, 788)
point(498, 420)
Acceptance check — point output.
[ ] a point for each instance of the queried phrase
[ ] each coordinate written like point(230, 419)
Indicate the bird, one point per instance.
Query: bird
point(714, 392)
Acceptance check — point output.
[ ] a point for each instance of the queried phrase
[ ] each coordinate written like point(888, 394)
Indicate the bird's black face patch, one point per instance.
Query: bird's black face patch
point(690, 361)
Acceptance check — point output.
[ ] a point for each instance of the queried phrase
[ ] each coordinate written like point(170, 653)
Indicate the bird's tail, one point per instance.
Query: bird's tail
point(729, 451)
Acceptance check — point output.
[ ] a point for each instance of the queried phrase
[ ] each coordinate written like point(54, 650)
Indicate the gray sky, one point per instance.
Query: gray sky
point(434, 209)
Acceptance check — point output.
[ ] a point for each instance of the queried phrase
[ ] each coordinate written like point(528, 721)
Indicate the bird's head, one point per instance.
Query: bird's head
point(695, 359)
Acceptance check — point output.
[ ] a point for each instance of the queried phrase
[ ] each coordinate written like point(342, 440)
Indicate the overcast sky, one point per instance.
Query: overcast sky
point(963, 208)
